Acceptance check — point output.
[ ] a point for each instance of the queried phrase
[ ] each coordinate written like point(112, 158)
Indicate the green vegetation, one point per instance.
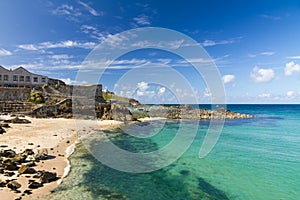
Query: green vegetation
point(36, 97)
point(107, 96)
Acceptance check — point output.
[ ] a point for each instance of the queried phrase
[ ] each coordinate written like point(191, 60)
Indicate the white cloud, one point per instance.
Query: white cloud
point(207, 93)
point(61, 56)
point(262, 75)
point(90, 9)
point(208, 43)
point(93, 32)
point(66, 9)
point(229, 78)
point(271, 17)
point(30, 47)
point(291, 93)
point(267, 53)
point(252, 55)
point(142, 20)
point(62, 44)
point(68, 81)
point(161, 91)
point(292, 68)
point(265, 95)
point(4, 52)
point(293, 57)
point(143, 86)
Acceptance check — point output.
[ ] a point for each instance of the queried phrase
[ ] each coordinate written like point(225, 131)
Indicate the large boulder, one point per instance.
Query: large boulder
point(48, 177)
point(13, 185)
point(17, 120)
point(27, 152)
point(42, 154)
point(25, 169)
point(8, 153)
point(34, 185)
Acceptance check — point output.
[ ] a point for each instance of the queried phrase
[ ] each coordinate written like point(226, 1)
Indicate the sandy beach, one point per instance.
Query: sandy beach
point(58, 135)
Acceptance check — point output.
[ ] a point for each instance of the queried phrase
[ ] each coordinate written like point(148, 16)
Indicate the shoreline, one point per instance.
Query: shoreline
point(60, 136)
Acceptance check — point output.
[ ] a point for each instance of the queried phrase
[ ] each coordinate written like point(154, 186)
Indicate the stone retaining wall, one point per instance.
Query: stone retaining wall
point(14, 94)
point(15, 107)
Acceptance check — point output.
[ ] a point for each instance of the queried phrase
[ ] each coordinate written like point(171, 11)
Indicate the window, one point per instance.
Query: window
point(43, 80)
point(35, 79)
point(0, 77)
point(27, 78)
point(15, 78)
point(5, 77)
point(21, 78)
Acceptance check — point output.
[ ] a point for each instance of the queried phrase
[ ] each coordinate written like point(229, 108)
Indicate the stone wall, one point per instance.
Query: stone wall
point(14, 94)
point(15, 107)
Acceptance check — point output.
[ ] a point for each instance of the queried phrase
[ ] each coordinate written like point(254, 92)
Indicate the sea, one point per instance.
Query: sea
point(256, 158)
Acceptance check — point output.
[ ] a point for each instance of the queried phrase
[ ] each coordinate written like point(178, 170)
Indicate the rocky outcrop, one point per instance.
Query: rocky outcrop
point(186, 112)
point(117, 112)
point(18, 120)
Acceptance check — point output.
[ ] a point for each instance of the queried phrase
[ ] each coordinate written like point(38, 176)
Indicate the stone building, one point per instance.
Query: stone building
point(20, 77)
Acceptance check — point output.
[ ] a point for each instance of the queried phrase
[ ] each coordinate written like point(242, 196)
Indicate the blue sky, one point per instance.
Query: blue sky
point(255, 44)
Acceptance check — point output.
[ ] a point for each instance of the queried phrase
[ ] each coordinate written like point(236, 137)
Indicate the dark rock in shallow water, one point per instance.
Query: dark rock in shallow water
point(210, 190)
point(13, 185)
point(185, 172)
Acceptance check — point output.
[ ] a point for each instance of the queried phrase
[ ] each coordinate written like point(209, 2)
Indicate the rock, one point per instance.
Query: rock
point(5, 125)
point(27, 152)
point(13, 185)
point(42, 154)
point(7, 153)
point(3, 183)
point(185, 172)
point(25, 169)
point(31, 164)
point(35, 185)
point(48, 177)
point(17, 120)
point(9, 174)
point(19, 158)
point(10, 166)
point(2, 130)
point(1, 170)
point(28, 192)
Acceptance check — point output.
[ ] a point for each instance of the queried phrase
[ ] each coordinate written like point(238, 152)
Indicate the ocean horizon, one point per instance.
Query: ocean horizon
point(256, 158)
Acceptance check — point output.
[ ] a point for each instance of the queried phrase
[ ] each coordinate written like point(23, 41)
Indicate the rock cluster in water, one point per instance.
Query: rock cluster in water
point(186, 112)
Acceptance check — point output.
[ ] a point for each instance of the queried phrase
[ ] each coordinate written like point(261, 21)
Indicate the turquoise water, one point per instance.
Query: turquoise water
point(254, 159)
